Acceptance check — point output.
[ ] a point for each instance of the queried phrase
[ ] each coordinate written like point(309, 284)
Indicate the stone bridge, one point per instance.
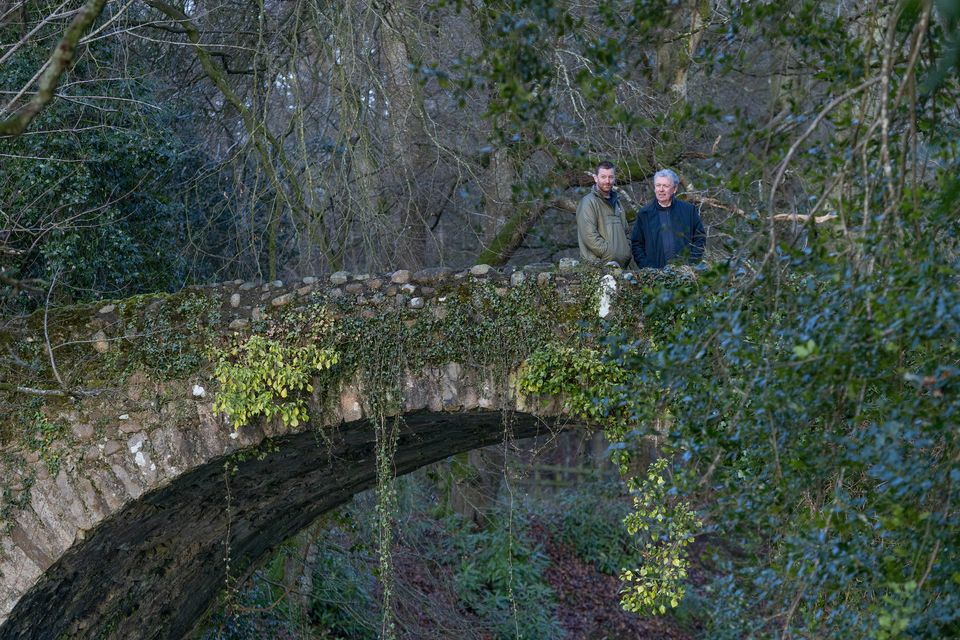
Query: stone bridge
point(127, 502)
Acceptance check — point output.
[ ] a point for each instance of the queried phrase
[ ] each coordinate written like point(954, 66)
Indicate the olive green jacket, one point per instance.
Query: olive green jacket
point(602, 229)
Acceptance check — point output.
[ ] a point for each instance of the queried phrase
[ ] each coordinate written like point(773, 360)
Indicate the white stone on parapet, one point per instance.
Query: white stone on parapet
point(433, 383)
point(608, 287)
point(469, 397)
point(487, 392)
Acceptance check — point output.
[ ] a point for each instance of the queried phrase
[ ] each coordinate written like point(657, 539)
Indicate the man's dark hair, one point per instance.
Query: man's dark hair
point(606, 164)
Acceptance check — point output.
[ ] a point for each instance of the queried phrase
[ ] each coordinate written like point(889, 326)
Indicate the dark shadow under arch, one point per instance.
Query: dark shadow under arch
point(153, 569)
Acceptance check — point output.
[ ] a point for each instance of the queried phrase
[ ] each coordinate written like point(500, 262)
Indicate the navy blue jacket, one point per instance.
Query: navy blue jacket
point(647, 244)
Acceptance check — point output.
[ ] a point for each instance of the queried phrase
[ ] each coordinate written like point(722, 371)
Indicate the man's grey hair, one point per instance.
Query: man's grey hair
point(667, 173)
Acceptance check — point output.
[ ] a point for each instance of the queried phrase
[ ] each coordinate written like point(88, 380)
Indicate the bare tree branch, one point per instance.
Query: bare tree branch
point(59, 62)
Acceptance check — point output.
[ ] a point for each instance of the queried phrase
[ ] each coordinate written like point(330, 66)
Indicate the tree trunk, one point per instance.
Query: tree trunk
point(678, 47)
point(407, 139)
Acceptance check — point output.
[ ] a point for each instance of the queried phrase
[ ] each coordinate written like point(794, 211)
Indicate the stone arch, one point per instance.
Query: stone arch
point(152, 569)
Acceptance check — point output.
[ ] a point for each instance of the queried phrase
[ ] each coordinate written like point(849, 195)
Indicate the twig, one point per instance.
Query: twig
point(57, 393)
point(46, 332)
point(803, 217)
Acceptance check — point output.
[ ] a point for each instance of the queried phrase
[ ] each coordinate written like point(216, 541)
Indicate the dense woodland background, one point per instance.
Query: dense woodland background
point(810, 374)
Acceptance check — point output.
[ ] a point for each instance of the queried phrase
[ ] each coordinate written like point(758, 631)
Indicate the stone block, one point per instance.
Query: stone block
point(130, 426)
point(538, 267)
point(82, 431)
point(415, 396)
point(350, 407)
point(432, 275)
point(283, 300)
point(100, 344)
point(111, 447)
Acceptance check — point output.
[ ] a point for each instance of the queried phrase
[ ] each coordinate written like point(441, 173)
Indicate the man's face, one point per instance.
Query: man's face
point(664, 188)
point(605, 179)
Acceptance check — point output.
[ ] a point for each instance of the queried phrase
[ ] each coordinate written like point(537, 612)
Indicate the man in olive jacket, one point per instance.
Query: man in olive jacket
point(667, 229)
point(601, 225)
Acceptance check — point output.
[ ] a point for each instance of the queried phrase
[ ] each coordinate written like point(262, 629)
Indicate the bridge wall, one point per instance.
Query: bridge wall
point(117, 526)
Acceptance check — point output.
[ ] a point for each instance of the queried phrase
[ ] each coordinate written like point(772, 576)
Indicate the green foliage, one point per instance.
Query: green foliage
point(42, 436)
point(812, 414)
point(257, 620)
point(580, 375)
point(264, 377)
point(344, 598)
point(13, 501)
point(92, 192)
point(168, 335)
point(666, 526)
point(590, 519)
point(895, 610)
point(501, 579)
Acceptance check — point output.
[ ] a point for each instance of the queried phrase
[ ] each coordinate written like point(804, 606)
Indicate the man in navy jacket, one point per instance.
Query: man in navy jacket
point(667, 229)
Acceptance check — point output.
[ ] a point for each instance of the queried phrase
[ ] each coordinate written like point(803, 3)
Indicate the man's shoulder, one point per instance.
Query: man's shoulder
point(684, 206)
point(591, 200)
point(585, 204)
point(648, 208)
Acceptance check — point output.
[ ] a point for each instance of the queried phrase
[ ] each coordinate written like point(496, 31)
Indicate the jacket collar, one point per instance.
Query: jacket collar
point(613, 200)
